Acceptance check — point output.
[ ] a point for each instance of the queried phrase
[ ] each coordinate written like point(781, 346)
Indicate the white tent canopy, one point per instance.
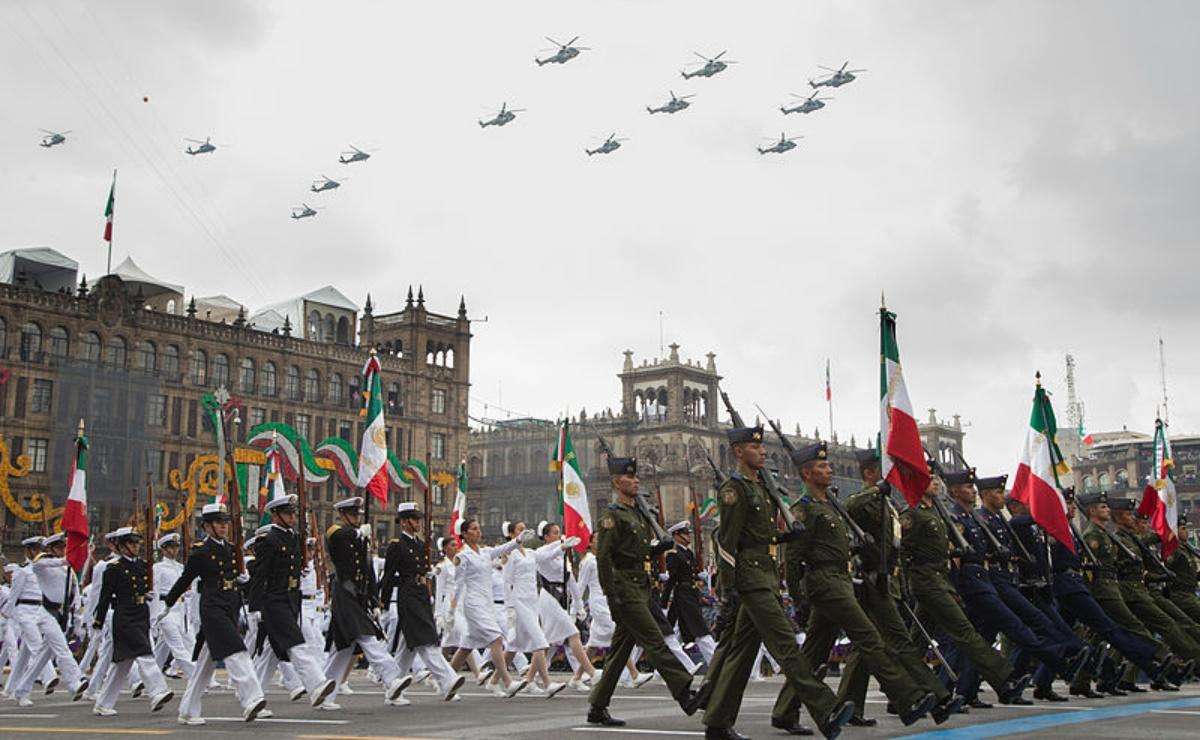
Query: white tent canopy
point(135, 277)
point(39, 266)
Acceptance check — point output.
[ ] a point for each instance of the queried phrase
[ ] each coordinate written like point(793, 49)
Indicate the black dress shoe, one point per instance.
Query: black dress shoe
point(1012, 689)
point(891, 708)
point(1164, 686)
point(600, 716)
point(978, 703)
point(691, 702)
point(1020, 701)
point(790, 726)
point(841, 714)
point(723, 733)
point(1112, 690)
point(1086, 693)
point(919, 709)
point(948, 706)
point(699, 699)
point(1048, 695)
point(1130, 687)
point(862, 722)
point(821, 671)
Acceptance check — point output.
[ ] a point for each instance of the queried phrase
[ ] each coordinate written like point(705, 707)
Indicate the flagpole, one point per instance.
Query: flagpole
point(108, 271)
point(829, 398)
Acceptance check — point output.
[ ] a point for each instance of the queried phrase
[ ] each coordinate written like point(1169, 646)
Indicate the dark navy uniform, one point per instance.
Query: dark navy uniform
point(405, 571)
point(684, 610)
point(215, 564)
point(124, 588)
point(354, 587)
point(275, 589)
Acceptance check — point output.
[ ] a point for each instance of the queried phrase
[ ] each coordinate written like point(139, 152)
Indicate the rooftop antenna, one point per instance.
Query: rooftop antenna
point(661, 348)
point(1162, 371)
point(1074, 407)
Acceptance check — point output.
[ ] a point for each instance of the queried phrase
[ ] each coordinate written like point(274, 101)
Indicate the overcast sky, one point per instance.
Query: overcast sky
point(1022, 179)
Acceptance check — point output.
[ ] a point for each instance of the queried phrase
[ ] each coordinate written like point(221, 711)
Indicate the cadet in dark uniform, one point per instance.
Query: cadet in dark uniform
point(406, 572)
point(1183, 564)
point(925, 552)
point(353, 599)
point(682, 576)
point(214, 562)
point(125, 587)
point(275, 594)
point(623, 552)
point(747, 532)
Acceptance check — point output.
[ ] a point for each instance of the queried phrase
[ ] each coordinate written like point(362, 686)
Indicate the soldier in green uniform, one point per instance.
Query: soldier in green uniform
point(873, 510)
point(926, 553)
point(1159, 578)
point(1183, 564)
point(747, 532)
point(823, 553)
point(624, 547)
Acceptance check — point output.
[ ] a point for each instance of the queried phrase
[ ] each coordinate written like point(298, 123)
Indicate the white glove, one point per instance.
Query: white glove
point(569, 542)
point(364, 531)
point(664, 577)
point(243, 578)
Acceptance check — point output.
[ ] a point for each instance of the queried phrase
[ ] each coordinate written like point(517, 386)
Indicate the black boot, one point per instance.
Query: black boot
point(723, 733)
point(948, 706)
point(1164, 686)
point(1086, 692)
point(919, 709)
point(699, 699)
point(857, 721)
point(978, 703)
point(1048, 694)
point(790, 726)
point(841, 714)
point(691, 702)
point(1012, 689)
point(1130, 687)
point(600, 716)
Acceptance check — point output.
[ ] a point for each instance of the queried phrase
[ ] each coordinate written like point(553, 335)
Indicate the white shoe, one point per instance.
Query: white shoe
point(553, 689)
point(323, 692)
point(577, 685)
point(515, 688)
point(329, 706)
point(265, 714)
point(451, 694)
point(497, 691)
point(297, 692)
point(100, 711)
point(345, 689)
point(397, 687)
point(251, 712)
point(534, 690)
point(484, 675)
point(213, 683)
point(51, 685)
point(24, 701)
point(642, 680)
point(161, 700)
point(187, 719)
point(400, 701)
point(138, 688)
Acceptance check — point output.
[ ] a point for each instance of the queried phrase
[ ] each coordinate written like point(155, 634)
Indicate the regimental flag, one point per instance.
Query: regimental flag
point(708, 508)
point(1159, 499)
point(828, 386)
point(108, 209)
point(1036, 481)
point(272, 482)
point(903, 460)
point(577, 514)
point(75, 515)
point(372, 451)
point(460, 501)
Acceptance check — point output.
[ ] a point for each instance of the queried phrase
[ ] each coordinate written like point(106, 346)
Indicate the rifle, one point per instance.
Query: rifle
point(1087, 550)
point(719, 476)
point(185, 529)
point(695, 498)
point(774, 489)
point(301, 510)
point(929, 639)
point(151, 533)
point(322, 571)
point(1000, 550)
point(959, 541)
point(643, 508)
point(235, 500)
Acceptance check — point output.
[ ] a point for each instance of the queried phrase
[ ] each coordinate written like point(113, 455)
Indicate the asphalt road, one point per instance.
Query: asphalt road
point(649, 711)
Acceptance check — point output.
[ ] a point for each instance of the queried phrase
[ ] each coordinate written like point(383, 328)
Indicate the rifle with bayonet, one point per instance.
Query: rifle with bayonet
point(1001, 551)
point(644, 508)
point(960, 543)
point(719, 476)
point(775, 490)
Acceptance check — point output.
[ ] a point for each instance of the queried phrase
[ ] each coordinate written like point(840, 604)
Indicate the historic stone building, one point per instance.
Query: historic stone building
point(1122, 462)
point(671, 416)
point(133, 359)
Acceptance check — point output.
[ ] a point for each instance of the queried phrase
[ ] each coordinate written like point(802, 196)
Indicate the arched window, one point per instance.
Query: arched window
point(448, 358)
point(1105, 482)
point(343, 330)
point(89, 347)
point(115, 352)
point(171, 306)
point(59, 342)
point(31, 341)
point(1122, 479)
point(266, 380)
point(291, 386)
point(3, 337)
point(337, 389)
point(170, 361)
point(314, 327)
point(312, 386)
point(246, 375)
point(354, 399)
point(220, 371)
point(199, 365)
point(328, 329)
point(146, 356)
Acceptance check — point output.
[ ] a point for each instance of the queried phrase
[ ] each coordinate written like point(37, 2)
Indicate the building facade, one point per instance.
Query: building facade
point(1121, 463)
point(130, 358)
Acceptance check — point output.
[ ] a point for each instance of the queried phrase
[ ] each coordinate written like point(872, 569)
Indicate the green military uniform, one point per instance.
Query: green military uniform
point(747, 532)
point(1181, 589)
point(823, 551)
point(925, 554)
point(1131, 573)
point(1105, 586)
point(1160, 588)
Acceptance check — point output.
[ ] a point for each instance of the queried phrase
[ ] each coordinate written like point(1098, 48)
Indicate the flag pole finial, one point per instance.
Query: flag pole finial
point(81, 427)
point(1037, 377)
point(882, 301)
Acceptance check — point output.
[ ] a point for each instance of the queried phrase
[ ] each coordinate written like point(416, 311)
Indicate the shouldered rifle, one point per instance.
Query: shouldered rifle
point(1000, 550)
point(959, 541)
point(643, 508)
point(151, 531)
point(1087, 549)
point(775, 490)
point(719, 476)
point(301, 511)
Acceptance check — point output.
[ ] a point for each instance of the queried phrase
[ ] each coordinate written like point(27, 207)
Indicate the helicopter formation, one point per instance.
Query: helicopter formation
point(325, 183)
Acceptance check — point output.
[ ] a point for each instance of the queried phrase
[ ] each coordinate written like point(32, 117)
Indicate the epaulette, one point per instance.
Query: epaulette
point(198, 544)
point(38, 557)
point(393, 540)
point(333, 528)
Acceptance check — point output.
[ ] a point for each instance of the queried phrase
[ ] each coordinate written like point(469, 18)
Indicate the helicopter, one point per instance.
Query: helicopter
point(711, 66)
point(838, 78)
point(52, 137)
point(674, 105)
point(320, 186)
point(611, 144)
point(305, 211)
point(506, 115)
point(202, 147)
point(784, 144)
point(566, 52)
point(354, 155)
point(809, 104)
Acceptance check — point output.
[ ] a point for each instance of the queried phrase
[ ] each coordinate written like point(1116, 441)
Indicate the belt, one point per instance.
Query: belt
point(30, 602)
point(51, 604)
point(498, 602)
point(162, 597)
point(308, 597)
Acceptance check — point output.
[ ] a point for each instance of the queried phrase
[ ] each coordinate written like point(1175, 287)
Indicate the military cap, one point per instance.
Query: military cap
point(505, 530)
point(987, 484)
point(458, 527)
point(34, 541)
point(677, 527)
point(1092, 499)
point(214, 513)
point(126, 533)
point(441, 542)
point(866, 458)
point(959, 477)
point(354, 503)
point(622, 466)
point(745, 434)
point(408, 510)
point(168, 539)
point(282, 503)
point(1122, 503)
point(54, 539)
point(818, 451)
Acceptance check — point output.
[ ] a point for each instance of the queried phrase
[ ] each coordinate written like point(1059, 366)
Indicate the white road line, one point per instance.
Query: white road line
point(28, 716)
point(281, 721)
point(631, 731)
point(1173, 711)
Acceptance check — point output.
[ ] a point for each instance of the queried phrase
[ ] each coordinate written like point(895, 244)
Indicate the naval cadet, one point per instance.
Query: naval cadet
point(683, 575)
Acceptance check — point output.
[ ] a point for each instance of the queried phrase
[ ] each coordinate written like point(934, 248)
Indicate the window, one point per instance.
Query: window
point(59, 343)
point(395, 404)
point(156, 410)
point(344, 430)
point(89, 347)
point(438, 405)
point(170, 361)
point(31, 341)
point(246, 375)
point(437, 447)
point(3, 337)
point(257, 417)
point(337, 389)
point(312, 386)
point(154, 464)
point(437, 495)
point(199, 367)
point(115, 352)
point(291, 385)
point(146, 357)
point(266, 380)
point(43, 391)
point(220, 371)
point(354, 398)
point(38, 449)
point(303, 425)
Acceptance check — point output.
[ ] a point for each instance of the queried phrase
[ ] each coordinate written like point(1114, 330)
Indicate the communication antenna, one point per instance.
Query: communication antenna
point(1162, 371)
point(1074, 407)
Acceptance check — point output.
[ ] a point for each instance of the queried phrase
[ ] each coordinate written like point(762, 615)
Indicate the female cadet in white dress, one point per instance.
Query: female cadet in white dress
point(556, 623)
point(527, 636)
point(450, 620)
point(473, 593)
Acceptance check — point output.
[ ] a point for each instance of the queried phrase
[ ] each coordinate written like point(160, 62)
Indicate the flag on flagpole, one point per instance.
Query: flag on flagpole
point(272, 483)
point(708, 508)
point(372, 451)
point(108, 209)
point(902, 457)
point(577, 514)
point(75, 516)
point(1036, 481)
point(828, 387)
point(460, 501)
point(1159, 499)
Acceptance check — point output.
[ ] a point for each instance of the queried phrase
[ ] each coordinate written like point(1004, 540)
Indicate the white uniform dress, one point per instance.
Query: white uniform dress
point(601, 628)
point(453, 625)
point(473, 593)
point(556, 623)
point(521, 574)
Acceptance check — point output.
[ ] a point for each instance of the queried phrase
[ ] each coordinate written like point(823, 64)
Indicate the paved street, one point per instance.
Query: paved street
point(649, 710)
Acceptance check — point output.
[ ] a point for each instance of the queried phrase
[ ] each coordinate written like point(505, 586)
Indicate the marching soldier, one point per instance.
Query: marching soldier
point(1160, 585)
point(174, 643)
point(822, 554)
point(214, 562)
point(623, 550)
point(1183, 564)
point(747, 532)
point(682, 576)
point(126, 588)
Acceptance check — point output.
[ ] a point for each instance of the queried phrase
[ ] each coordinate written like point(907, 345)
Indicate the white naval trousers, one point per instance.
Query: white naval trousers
point(241, 673)
point(118, 676)
point(376, 654)
point(40, 631)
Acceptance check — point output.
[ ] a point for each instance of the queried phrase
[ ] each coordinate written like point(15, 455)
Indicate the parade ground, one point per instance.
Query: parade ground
point(649, 711)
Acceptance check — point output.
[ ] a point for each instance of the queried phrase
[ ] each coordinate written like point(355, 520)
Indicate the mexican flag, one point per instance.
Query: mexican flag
point(903, 458)
point(372, 452)
point(272, 482)
point(1036, 481)
point(708, 508)
point(577, 515)
point(108, 209)
point(75, 517)
point(1159, 500)
point(460, 500)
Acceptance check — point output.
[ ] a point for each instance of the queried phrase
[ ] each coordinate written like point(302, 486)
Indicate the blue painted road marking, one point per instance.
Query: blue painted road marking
point(1032, 724)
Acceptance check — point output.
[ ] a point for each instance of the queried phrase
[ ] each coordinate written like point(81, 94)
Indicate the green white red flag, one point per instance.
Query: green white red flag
point(1159, 500)
point(108, 209)
point(902, 462)
point(460, 501)
point(1036, 481)
point(75, 516)
point(577, 514)
point(372, 451)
